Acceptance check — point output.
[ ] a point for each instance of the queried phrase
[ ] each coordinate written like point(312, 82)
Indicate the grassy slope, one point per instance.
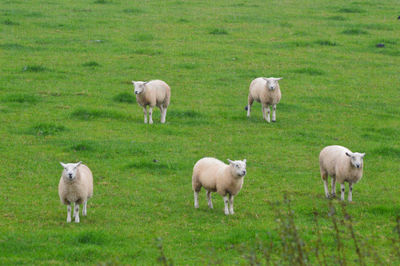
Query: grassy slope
point(57, 104)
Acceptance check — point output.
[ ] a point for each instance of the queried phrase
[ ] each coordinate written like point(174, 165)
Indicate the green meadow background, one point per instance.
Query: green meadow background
point(66, 95)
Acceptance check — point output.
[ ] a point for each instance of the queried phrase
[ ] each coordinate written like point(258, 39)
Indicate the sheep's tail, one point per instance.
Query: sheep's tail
point(246, 107)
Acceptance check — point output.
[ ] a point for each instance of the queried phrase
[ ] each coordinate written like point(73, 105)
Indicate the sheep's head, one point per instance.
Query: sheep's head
point(139, 86)
point(272, 83)
point(356, 159)
point(238, 167)
point(70, 170)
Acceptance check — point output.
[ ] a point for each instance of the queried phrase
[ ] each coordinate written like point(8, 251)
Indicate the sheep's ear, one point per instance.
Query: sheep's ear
point(348, 154)
point(63, 164)
point(278, 78)
point(244, 160)
point(362, 155)
point(78, 163)
point(229, 161)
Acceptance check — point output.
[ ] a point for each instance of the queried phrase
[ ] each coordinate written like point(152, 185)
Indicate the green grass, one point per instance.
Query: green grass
point(66, 95)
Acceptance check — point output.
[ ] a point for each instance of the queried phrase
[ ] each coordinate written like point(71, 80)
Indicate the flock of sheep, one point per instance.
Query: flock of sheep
point(342, 165)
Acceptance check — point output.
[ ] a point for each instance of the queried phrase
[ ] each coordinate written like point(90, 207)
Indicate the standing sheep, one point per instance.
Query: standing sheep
point(153, 93)
point(267, 92)
point(216, 176)
point(343, 166)
point(76, 185)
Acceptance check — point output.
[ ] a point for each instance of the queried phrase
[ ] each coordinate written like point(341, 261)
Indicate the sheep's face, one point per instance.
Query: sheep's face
point(70, 170)
point(139, 86)
point(356, 159)
point(272, 83)
point(238, 167)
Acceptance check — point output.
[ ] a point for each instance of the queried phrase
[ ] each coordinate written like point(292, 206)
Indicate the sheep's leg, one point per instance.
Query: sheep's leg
point(274, 113)
point(333, 187)
point(150, 115)
point(68, 213)
point(266, 109)
point(163, 114)
point(231, 204)
point(84, 210)
point(145, 114)
point(226, 205)
point(350, 192)
point(196, 199)
point(326, 188)
point(342, 191)
point(209, 199)
point(76, 211)
point(249, 103)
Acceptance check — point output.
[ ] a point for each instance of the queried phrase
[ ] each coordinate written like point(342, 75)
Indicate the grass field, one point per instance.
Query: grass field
point(65, 95)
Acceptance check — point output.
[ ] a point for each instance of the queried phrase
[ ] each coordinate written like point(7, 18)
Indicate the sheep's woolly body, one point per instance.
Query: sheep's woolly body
point(335, 163)
point(155, 93)
point(259, 92)
point(216, 176)
point(78, 190)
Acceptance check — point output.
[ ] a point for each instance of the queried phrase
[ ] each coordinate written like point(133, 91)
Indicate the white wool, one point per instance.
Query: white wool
point(153, 93)
point(75, 186)
point(216, 176)
point(341, 165)
point(267, 92)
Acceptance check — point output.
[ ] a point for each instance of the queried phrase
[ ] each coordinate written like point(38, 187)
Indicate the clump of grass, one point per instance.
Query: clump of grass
point(91, 237)
point(100, 2)
point(90, 114)
point(337, 18)
point(183, 20)
point(82, 146)
point(354, 32)
point(46, 129)
point(11, 46)
point(218, 31)
point(20, 98)
point(144, 37)
point(133, 11)
point(34, 68)
point(326, 43)
point(310, 71)
point(351, 10)
point(184, 114)
point(146, 51)
point(10, 22)
point(187, 65)
point(125, 97)
point(91, 64)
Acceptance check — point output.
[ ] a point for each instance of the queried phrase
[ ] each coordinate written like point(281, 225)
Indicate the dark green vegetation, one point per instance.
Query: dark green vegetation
point(65, 95)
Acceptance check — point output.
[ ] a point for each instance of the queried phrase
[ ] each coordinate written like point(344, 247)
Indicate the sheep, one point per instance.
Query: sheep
point(76, 185)
point(152, 93)
point(267, 92)
point(216, 176)
point(343, 166)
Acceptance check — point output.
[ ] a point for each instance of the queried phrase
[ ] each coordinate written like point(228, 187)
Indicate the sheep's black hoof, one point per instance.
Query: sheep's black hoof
point(274, 121)
point(246, 108)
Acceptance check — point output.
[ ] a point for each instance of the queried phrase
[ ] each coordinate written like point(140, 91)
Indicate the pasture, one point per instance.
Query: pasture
point(66, 95)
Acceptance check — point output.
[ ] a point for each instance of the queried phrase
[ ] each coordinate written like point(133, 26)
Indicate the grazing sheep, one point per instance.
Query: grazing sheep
point(342, 165)
point(76, 185)
point(216, 176)
point(153, 93)
point(267, 92)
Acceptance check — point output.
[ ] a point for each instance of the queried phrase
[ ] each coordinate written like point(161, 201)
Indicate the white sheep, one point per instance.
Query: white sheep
point(76, 186)
point(343, 166)
point(153, 93)
point(216, 176)
point(267, 92)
